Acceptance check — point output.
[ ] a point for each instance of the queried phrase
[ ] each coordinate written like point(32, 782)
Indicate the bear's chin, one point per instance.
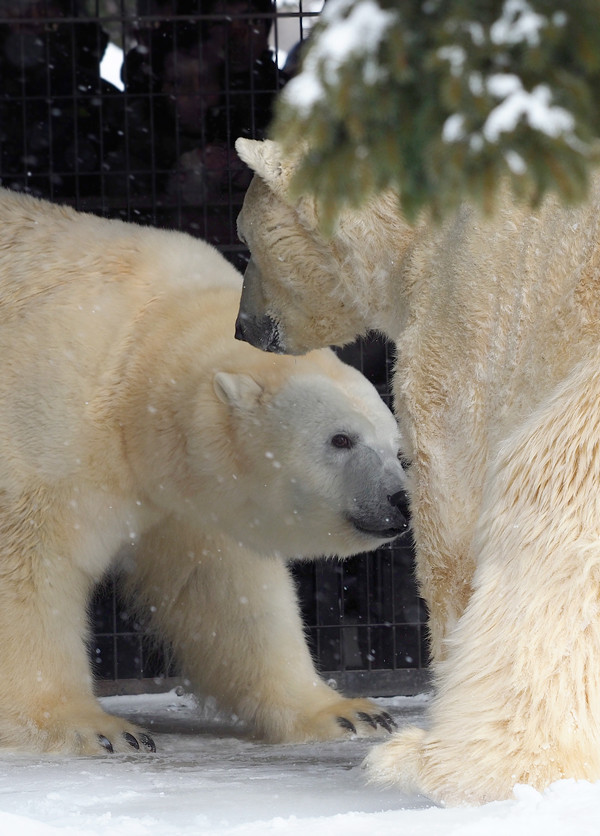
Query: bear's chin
point(379, 533)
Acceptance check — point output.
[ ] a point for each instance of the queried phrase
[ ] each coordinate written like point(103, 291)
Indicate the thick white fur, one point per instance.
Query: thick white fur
point(497, 393)
point(130, 415)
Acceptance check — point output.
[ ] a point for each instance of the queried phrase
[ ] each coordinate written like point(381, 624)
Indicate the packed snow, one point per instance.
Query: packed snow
point(208, 777)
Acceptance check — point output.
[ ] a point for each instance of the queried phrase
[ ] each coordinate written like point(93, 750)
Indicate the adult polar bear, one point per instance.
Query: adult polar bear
point(129, 414)
point(497, 393)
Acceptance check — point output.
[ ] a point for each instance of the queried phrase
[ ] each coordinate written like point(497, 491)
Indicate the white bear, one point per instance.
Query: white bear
point(497, 394)
point(129, 415)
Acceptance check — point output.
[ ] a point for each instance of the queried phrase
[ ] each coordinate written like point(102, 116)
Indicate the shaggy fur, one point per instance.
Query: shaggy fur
point(130, 415)
point(496, 393)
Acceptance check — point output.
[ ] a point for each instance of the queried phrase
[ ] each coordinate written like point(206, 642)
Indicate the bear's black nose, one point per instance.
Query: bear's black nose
point(400, 501)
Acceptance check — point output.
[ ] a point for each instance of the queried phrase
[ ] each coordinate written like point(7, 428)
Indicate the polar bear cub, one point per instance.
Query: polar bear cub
point(131, 421)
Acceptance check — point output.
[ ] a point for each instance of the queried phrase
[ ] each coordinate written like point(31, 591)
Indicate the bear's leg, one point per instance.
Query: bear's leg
point(233, 620)
point(46, 699)
point(518, 697)
point(444, 573)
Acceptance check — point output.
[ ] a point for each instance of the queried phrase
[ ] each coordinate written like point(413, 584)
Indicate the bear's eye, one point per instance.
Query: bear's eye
point(342, 441)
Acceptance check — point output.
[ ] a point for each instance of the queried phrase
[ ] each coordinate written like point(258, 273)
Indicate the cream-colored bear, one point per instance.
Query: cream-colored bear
point(497, 393)
point(130, 415)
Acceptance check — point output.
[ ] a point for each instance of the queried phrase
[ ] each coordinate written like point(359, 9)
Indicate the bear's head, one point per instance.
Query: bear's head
point(312, 461)
point(294, 455)
point(303, 290)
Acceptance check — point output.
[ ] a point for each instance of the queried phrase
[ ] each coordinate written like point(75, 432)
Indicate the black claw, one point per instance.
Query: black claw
point(390, 719)
point(148, 742)
point(346, 724)
point(105, 742)
point(385, 721)
point(131, 740)
point(366, 718)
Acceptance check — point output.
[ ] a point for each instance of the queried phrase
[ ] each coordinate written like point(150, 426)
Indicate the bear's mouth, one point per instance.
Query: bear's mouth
point(388, 533)
point(260, 331)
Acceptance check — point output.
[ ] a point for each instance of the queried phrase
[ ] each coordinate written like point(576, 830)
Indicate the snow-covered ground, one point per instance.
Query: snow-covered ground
point(207, 779)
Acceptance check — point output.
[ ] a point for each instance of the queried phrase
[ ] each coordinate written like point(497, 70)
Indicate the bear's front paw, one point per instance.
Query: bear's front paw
point(371, 720)
point(101, 734)
point(132, 740)
point(348, 718)
point(74, 729)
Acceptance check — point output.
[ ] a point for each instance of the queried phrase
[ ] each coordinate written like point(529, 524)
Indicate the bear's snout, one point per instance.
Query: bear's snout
point(261, 332)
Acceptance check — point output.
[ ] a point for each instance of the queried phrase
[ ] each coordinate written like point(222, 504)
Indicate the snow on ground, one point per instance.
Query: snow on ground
point(206, 778)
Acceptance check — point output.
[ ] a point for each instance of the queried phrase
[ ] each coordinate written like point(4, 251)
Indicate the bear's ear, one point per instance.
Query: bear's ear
point(237, 390)
point(265, 159)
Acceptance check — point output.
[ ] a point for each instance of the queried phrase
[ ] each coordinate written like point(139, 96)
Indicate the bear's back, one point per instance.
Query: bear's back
point(44, 247)
point(72, 287)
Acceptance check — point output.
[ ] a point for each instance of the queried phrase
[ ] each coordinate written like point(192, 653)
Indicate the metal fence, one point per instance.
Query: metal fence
point(130, 109)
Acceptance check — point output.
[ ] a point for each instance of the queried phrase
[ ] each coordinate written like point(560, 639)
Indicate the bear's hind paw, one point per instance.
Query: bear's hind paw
point(397, 761)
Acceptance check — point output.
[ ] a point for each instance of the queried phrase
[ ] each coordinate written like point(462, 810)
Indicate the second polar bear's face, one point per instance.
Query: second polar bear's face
point(301, 289)
point(291, 301)
point(317, 460)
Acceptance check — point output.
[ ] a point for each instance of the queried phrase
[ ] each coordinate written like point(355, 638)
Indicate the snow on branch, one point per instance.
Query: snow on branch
point(343, 39)
point(442, 101)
